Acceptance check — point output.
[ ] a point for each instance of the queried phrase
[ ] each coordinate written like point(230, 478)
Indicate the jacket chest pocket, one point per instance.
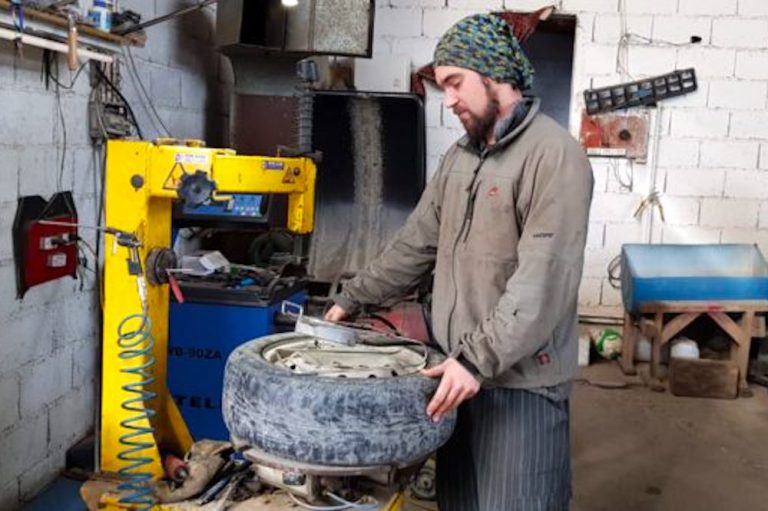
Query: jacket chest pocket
point(492, 230)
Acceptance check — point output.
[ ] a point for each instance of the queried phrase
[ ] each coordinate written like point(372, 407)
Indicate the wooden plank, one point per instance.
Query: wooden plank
point(704, 378)
point(704, 306)
point(740, 352)
point(728, 325)
point(676, 324)
point(758, 327)
point(629, 338)
point(658, 328)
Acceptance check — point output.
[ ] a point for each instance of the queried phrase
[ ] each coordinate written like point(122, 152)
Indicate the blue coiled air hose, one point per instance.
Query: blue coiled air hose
point(136, 342)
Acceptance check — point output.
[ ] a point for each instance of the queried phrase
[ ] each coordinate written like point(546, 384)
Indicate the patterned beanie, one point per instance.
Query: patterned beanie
point(484, 43)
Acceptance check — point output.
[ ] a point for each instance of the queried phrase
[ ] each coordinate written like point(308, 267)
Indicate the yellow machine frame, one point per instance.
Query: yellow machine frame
point(141, 182)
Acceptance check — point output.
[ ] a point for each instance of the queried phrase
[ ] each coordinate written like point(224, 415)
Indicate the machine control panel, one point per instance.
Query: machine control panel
point(238, 207)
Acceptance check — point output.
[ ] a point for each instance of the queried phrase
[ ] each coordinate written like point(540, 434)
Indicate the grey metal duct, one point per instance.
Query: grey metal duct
point(313, 27)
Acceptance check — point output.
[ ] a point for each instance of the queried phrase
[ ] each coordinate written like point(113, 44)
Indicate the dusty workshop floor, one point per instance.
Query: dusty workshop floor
point(634, 449)
point(638, 450)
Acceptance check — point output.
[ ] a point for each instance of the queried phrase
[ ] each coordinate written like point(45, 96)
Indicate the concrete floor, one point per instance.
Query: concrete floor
point(639, 450)
point(635, 449)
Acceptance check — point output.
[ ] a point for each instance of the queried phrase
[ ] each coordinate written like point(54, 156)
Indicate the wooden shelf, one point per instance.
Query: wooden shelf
point(52, 27)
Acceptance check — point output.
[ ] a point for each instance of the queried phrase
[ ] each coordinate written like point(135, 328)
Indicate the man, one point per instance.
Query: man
point(503, 223)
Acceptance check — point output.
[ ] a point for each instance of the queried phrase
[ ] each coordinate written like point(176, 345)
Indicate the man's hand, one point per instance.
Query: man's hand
point(457, 385)
point(335, 313)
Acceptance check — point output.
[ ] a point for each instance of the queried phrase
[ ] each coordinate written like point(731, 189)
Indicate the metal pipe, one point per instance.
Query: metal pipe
point(47, 44)
point(165, 17)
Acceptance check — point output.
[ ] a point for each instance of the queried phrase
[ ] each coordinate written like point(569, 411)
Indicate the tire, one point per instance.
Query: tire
point(329, 421)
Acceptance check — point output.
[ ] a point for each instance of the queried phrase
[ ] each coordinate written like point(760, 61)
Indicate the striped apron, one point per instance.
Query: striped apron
point(510, 451)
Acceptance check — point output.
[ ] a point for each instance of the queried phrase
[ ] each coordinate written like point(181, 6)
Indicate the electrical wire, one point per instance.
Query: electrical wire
point(95, 99)
point(341, 506)
point(627, 38)
point(141, 90)
point(614, 272)
point(49, 59)
point(51, 72)
point(305, 505)
point(370, 506)
point(114, 88)
point(60, 176)
point(625, 179)
point(102, 190)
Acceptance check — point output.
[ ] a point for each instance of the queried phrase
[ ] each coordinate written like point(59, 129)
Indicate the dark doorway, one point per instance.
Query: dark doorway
point(550, 50)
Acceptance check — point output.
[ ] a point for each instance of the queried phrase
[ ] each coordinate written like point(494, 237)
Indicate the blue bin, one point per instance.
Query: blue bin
point(653, 273)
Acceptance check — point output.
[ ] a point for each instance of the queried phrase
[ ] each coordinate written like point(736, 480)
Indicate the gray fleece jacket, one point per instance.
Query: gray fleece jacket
point(504, 229)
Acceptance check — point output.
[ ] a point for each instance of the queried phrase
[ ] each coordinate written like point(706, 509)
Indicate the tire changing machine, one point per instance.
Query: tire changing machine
point(138, 418)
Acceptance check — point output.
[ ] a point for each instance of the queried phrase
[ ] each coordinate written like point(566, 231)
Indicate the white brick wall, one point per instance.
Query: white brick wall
point(763, 216)
point(48, 341)
point(752, 124)
point(676, 234)
point(618, 234)
point(437, 21)
point(681, 211)
point(695, 182)
point(732, 154)
point(678, 152)
point(729, 213)
point(738, 94)
point(647, 60)
point(752, 65)
point(763, 156)
point(753, 8)
point(650, 6)
point(746, 184)
point(699, 122)
point(608, 28)
point(713, 148)
point(709, 62)
point(590, 5)
point(398, 22)
point(740, 33)
point(678, 29)
point(709, 7)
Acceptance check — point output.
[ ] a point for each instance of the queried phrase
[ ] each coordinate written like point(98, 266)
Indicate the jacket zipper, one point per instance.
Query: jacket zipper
point(467, 220)
point(470, 213)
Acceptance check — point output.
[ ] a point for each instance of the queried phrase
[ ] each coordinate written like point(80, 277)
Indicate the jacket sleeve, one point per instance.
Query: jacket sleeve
point(407, 258)
point(553, 210)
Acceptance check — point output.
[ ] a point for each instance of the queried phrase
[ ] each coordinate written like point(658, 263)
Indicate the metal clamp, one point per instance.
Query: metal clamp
point(320, 328)
point(286, 306)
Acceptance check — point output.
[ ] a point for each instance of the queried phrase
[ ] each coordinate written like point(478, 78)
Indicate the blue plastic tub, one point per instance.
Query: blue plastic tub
point(652, 273)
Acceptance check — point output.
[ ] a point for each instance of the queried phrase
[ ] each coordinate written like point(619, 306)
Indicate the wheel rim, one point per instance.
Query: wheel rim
point(307, 355)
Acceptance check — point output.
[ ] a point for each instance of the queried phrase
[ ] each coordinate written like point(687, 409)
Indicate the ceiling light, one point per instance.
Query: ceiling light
point(290, 3)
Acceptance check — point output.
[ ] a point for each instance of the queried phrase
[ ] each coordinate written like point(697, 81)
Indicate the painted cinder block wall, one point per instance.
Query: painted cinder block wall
point(48, 340)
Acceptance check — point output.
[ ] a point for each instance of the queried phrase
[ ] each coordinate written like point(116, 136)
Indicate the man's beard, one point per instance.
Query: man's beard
point(479, 127)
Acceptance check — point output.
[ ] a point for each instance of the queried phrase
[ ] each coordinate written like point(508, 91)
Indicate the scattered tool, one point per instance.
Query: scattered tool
point(231, 474)
point(17, 11)
point(71, 42)
point(175, 468)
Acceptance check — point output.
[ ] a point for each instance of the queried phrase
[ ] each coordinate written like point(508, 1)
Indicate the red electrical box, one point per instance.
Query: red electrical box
point(621, 135)
point(44, 251)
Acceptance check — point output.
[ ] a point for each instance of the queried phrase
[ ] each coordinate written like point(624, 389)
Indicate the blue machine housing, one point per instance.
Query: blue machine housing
point(201, 336)
point(653, 273)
